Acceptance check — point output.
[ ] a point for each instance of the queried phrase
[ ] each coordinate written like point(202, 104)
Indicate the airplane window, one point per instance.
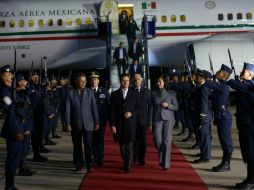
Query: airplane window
point(59, 22)
point(249, 15)
point(88, 21)
point(2, 24)
point(239, 16)
point(230, 16)
point(220, 17)
point(164, 19)
point(40, 23)
point(31, 23)
point(12, 23)
point(78, 21)
point(173, 18)
point(183, 18)
point(68, 22)
point(21, 23)
point(50, 22)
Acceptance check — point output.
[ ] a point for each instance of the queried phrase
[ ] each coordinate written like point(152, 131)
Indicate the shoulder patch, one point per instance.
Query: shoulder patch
point(7, 100)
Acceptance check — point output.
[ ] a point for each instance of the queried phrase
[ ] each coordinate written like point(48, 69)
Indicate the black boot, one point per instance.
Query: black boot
point(24, 170)
point(9, 181)
point(182, 132)
point(189, 137)
point(225, 163)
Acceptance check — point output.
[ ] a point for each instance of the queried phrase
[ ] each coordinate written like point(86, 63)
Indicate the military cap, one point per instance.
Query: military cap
point(226, 69)
point(20, 77)
point(4, 69)
point(94, 74)
point(207, 74)
point(249, 66)
point(33, 73)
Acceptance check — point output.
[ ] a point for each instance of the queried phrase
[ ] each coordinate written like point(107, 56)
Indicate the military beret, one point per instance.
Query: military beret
point(249, 66)
point(4, 69)
point(94, 74)
point(226, 69)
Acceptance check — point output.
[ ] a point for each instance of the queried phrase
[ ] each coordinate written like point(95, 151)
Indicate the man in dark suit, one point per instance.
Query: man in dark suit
point(82, 117)
point(123, 109)
point(123, 19)
point(102, 98)
point(135, 49)
point(120, 57)
point(135, 68)
point(142, 120)
point(131, 29)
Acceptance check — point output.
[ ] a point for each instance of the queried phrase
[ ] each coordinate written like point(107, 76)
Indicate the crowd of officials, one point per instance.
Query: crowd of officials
point(196, 101)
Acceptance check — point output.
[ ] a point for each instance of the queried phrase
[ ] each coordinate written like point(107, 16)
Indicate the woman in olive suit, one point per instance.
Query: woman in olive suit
point(162, 120)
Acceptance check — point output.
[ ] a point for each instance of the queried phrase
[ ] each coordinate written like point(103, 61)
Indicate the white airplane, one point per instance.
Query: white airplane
point(66, 31)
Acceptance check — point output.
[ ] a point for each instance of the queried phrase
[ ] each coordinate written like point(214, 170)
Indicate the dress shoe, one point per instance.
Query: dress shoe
point(50, 142)
point(165, 169)
point(56, 137)
point(101, 163)
point(200, 161)
point(79, 167)
point(127, 170)
point(25, 172)
point(197, 155)
point(91, 170)
point(194, 146)
point(11, 188)
point(245, 185)
point(43, 149)
point(222, 167)
point(40, 158)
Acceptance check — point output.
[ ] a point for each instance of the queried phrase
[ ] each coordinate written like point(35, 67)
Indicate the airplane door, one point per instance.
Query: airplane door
point(110, 7)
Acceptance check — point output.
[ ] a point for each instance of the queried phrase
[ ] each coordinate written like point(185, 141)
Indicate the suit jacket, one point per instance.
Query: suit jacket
point(132, 71)
point(81, 111)
point(131, 28)
point(117, 54)
point(125, 128)
point(138, 53)
point(144, 106)
point(158, 113)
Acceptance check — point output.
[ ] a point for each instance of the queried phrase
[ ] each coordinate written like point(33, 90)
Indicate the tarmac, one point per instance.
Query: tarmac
point(58, 173)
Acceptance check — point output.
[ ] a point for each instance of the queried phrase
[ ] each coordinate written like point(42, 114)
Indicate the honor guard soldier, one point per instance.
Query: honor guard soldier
point(62, 93)
point(245, 121)
point(11, 130)
point(204, 116)
point(222, 116)
point(23, 109)
point(35, 94)
point(102, 99)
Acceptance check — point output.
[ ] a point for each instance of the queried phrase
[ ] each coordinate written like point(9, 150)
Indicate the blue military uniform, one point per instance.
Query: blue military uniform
point(63, 94)
point(245, 123)
point(35, 95)
point(24, 118)
point(204, 116)
point(222, 118)
point(10, 130)
point(102, 99)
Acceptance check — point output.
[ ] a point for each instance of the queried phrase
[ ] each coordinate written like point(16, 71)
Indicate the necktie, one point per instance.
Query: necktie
point(124, 94)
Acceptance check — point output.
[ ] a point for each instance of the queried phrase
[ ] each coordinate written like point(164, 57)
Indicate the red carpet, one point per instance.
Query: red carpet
point(111, 176)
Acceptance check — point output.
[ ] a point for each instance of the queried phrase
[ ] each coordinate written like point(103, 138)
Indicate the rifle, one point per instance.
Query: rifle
point(188, 67)
point(69, 77)
point(211, 64)
point(231, 62)
point(30, 74)
point(14, 77)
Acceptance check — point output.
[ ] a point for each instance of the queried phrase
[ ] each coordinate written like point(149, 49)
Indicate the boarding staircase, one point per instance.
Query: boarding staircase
point(112, 41)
